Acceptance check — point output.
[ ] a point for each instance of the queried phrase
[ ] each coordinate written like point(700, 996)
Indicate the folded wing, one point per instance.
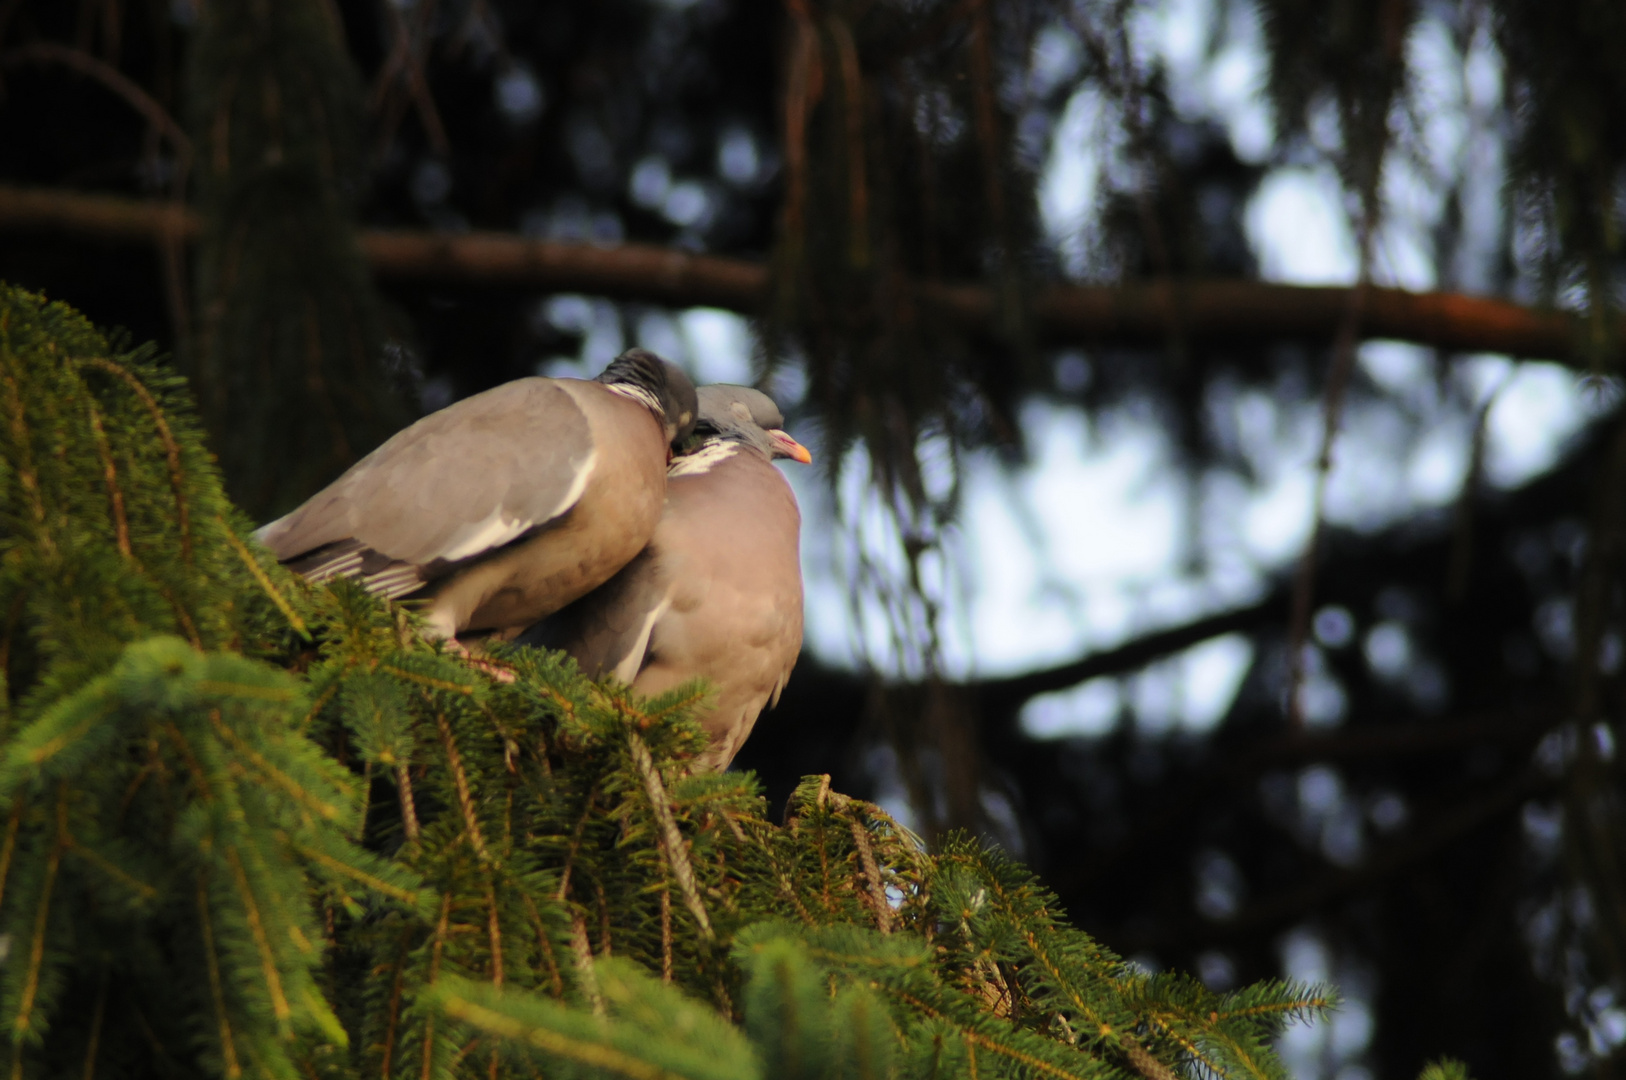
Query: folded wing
point(456, 485)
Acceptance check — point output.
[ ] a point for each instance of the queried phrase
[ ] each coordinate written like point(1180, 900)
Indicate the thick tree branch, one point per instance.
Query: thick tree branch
point(1207, 312)
point(625, 271)
point(1130, 656)
point(99, 217)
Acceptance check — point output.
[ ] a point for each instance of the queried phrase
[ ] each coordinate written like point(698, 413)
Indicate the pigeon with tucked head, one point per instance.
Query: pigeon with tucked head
point(717, 593)
point(504, 507)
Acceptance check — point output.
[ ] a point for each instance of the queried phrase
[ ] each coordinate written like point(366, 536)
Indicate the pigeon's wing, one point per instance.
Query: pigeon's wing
point(608, 630)
point(455, 485)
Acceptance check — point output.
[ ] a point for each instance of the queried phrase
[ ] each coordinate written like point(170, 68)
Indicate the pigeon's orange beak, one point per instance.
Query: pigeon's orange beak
point(789, 447)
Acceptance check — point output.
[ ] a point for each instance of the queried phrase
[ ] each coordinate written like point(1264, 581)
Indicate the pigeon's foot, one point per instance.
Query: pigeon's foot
point(499, 672)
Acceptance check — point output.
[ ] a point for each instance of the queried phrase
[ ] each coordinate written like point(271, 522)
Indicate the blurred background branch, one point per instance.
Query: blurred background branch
point(1210, 312)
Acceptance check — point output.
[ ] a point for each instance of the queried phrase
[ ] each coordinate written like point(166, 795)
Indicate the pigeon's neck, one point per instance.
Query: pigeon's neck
point(713, 452)
point(641, 394)
point(640, 377)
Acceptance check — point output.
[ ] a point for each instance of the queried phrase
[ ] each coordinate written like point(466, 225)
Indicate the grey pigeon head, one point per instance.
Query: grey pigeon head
point(743, 414)
point(664, 382)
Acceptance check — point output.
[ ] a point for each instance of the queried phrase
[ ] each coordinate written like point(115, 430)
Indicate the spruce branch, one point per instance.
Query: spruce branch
point(1444, 1069)
point(437, 951)
point(545, 938)
point(386, 880)
point(584, 964)
point(23, 1021)
point(143, 891)
point(393, 1008)
point(98, 1014)
point(651, 1033)
point(252, 564)
point(494, 926)
point(409, 810)
point(672, 846)
point(666, 932)
point(269, 968)
point(8, 848)
point(115, 496)
point(205, 925)
point(872, 870)
point(172, 449)
point(20, 453)
point(465, 798)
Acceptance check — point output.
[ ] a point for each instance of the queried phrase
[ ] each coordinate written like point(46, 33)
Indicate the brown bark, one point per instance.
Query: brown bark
point(1207, 312)
point(102, 217)
point(626, 271)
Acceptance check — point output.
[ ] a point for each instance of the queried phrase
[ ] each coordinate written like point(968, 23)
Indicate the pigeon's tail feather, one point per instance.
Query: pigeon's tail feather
point(377, 573)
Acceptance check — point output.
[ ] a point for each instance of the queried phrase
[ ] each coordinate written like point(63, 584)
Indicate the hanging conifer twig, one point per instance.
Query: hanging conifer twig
point(287, 316)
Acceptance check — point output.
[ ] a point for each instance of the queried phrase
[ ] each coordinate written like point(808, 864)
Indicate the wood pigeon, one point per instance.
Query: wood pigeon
point(505, 506)
point(717, 593)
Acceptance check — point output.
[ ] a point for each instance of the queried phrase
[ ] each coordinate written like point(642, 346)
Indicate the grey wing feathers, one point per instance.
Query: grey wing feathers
point(779, 687)
point(608, 630)
point(379, 574)
point(458, 483)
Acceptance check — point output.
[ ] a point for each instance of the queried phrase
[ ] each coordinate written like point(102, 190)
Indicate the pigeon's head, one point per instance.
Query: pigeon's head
point(741, 414)
point(659, 384)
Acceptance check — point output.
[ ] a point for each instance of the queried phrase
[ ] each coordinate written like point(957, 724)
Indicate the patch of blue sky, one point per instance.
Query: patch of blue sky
point(1537, 411)
point(1188, 692)
point(856, 609)
point(1298, 228)
point(1066, 553)
point(1056, 58)
point(597, 321)
point(711, 344)
point(1070, 183)
point(1215, 62)
point(1090, 708)
point(717, 345)
point(1336, 1045)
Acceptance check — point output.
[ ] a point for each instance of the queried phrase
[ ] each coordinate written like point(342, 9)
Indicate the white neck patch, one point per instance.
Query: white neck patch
point(712, 452)
point(646, 398)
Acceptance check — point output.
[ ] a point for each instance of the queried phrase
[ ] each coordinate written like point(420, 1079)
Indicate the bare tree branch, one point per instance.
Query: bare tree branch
point(48, 53)
point(1209, 312)
point(1132, 655)
point(101, 217)
point(167, 234)
point(405, 63)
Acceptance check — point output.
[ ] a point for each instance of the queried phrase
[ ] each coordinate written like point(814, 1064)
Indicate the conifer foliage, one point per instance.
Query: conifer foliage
point(254, 828)
point(291, 329)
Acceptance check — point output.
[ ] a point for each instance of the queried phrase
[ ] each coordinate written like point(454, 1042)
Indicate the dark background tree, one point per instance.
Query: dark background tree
point(861, 178)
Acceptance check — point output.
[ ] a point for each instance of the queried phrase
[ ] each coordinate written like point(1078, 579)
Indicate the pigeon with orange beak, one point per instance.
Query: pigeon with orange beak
point(717, 593)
